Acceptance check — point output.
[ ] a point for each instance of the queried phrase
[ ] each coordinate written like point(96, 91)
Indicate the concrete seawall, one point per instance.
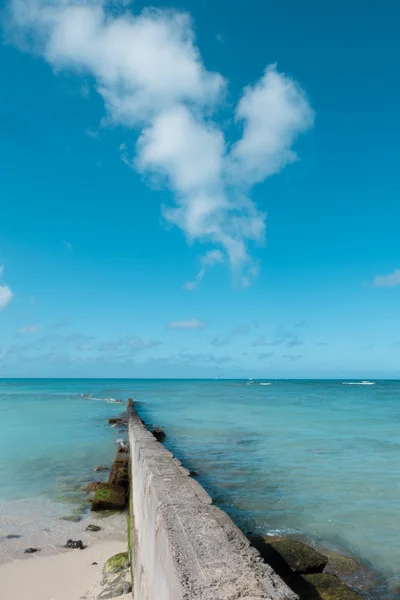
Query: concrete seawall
point(184, 547)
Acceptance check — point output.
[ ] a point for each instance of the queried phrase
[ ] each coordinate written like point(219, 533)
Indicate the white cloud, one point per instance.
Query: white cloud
point(1, 270)
point(212, 257)
point(30, 329)
point(68, 245)
point(390, 280)
point(6, 296)
point(151, 76)
point(274, 112)
point(192, 285)
point(190, 324)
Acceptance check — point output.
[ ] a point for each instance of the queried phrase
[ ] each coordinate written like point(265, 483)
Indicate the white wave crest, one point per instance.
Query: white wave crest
point(358, 382)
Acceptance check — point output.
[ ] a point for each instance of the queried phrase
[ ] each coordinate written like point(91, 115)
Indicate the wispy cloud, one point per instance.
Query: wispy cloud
point(292, 357)
point(6, 294)
point(68, 245)
point(190, 286)
point(282, 336)
point(190, 324)
point(212, 257)
point(152, 79)
point(30, 329)
point(265, 355)
point(226, 338)
point(129, 343)
point(390, 280)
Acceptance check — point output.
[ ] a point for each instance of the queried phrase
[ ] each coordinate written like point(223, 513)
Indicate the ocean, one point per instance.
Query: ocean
point(318, 459)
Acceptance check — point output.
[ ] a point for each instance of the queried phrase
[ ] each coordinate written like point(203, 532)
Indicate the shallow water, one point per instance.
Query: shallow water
point(314, 458)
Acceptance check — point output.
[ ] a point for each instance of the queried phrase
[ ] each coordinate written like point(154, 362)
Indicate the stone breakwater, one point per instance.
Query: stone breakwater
point(184, 547)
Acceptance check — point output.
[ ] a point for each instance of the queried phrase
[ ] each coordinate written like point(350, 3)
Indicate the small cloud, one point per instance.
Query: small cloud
point(192, 285)
point(294, 342)
point(190, 324)
point(226, 338)
point(219, 38)
point(292, 357)
point(30, 329)
point(68, 245)
point(1, 270)
point(6, 296)
point(92, 134)
point(390, 280)
point(282, 336)
point(84, 347)
point(265, 355)
point(212, 257)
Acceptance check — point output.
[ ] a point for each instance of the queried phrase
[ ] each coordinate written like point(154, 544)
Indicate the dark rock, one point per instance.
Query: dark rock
point(193, 473)
point(159, 434)
point(13, 536)
point(119, 473)
point(115, 421)
point(350, 570)
point(123, 450)
point(94, 563)
point(72, 518)
point(286, 555)
point(31, 550)
point(321, 586)
point(117, 563)
point(109, 497)
point(91, 527)
point(93, 486)
point(100, 468)
point(78, 545)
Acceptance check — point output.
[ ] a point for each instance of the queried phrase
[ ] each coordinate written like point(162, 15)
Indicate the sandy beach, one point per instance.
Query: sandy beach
point(70, 575)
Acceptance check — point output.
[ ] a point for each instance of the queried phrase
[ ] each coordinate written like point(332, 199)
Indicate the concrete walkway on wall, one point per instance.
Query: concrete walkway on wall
point(184, 547)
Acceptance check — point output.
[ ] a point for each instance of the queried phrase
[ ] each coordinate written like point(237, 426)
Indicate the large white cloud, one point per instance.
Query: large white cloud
point(152, 78)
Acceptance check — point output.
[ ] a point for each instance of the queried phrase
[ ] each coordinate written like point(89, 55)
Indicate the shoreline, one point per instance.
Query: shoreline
point(69, 575)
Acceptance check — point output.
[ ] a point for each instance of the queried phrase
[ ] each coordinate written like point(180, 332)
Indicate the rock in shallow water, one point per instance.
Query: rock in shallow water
point(119, 474)
point(287, 556)
point(78, 545)
point(159, 434)
point(100, 468)
point(31, 550)
point(92, 527)
point(109, 497)
point(321, 586)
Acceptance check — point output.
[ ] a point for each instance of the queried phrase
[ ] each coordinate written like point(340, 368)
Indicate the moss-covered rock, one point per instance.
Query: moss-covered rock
point(350, 570)
point(109, 497)
point(93, 486)
point(116, 563)
point(286, 555)
point(119, 474)
point(321, 586)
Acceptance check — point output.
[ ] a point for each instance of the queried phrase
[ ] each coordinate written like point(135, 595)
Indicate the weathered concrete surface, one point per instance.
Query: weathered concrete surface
point(186, 548)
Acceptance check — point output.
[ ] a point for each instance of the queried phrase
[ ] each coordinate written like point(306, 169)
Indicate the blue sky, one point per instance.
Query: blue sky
point(199, 189)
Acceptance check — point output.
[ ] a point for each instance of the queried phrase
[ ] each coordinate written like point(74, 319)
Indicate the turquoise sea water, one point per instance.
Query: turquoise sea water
point(317, 458)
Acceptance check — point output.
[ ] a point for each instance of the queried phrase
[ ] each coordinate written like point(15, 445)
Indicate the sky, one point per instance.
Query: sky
point(199, 189)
